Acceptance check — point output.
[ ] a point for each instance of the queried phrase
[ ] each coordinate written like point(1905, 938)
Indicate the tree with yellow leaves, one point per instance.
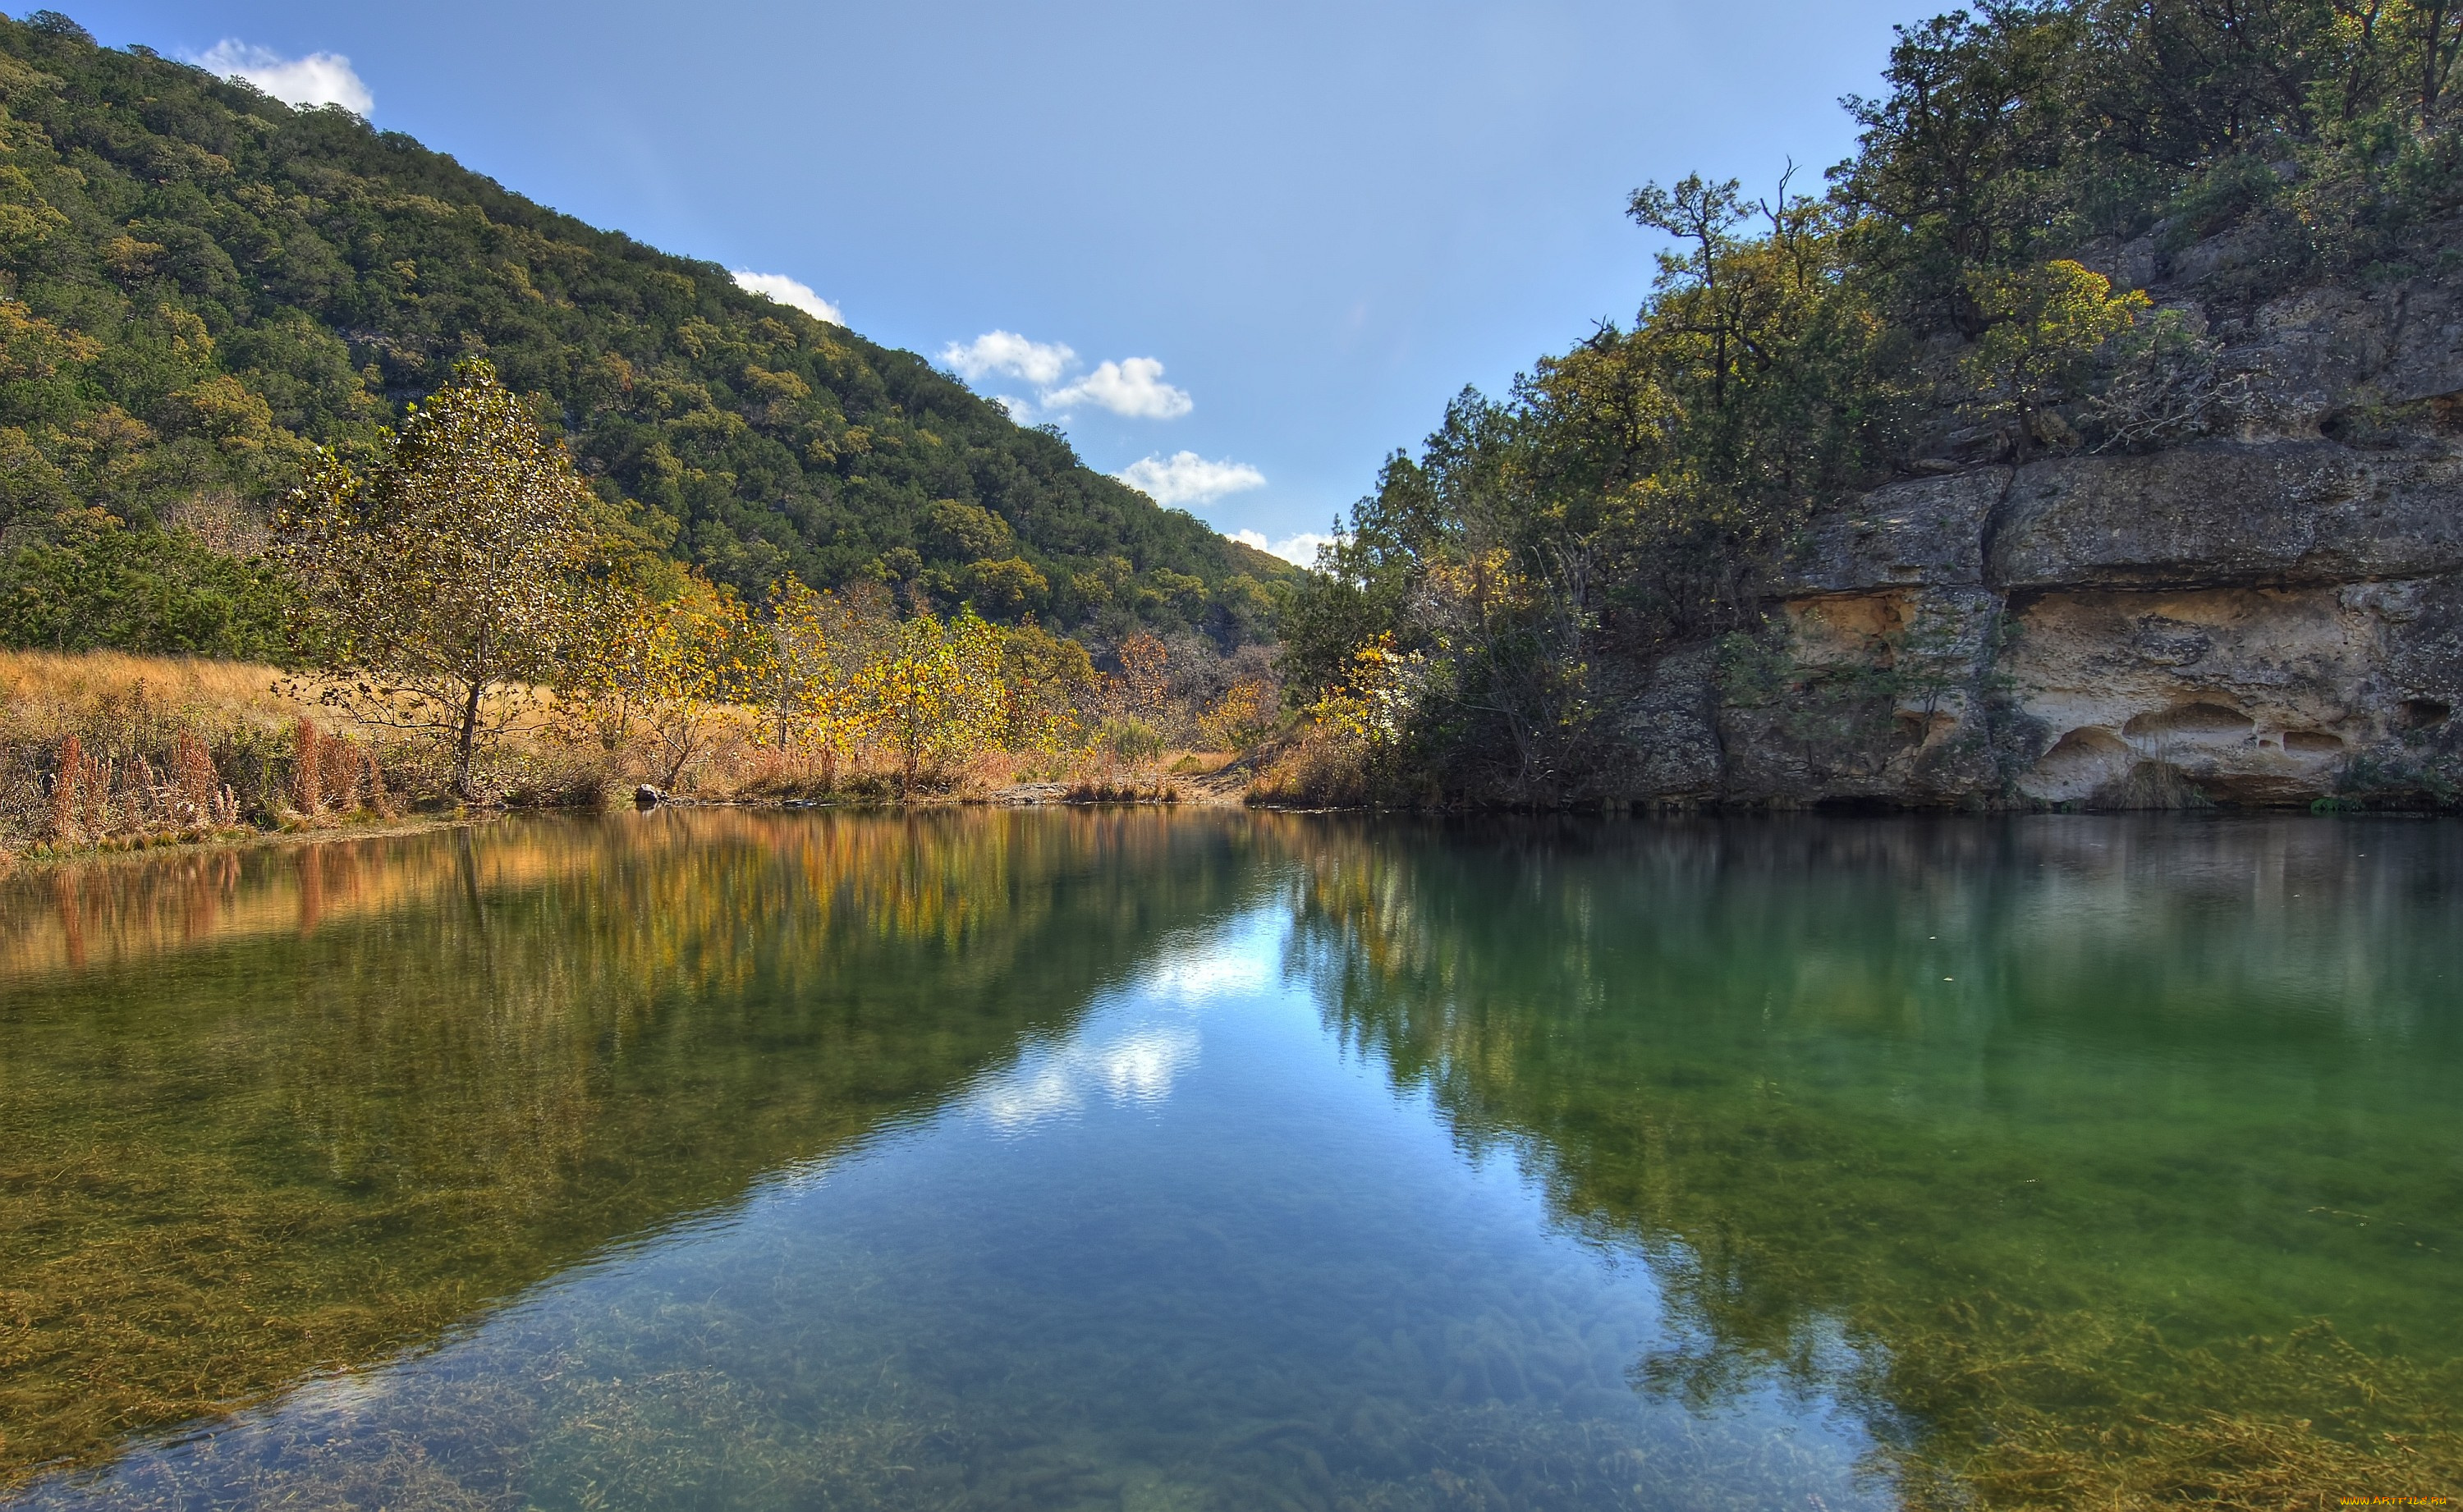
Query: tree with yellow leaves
point(1248, 712)
point(2048, 324)
point(935, 695)
point(820, 641)
point(671, 674)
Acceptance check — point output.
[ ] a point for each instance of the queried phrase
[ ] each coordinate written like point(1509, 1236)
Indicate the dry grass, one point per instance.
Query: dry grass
point(56, 693)
point(1320, 767)
point(105, 751)
point(115, 723)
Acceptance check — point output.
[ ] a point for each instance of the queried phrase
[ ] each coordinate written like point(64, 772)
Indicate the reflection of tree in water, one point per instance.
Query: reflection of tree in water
point(2062, 1151)
point(285, 1109)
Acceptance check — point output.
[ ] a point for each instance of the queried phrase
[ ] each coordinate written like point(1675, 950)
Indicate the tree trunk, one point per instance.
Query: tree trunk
point(684, 746)
point(466, 738)
point(2432, 63)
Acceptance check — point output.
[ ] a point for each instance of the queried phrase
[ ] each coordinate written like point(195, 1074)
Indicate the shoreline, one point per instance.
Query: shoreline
point(1031, 796)
point(19, 863)
point(1018, 796)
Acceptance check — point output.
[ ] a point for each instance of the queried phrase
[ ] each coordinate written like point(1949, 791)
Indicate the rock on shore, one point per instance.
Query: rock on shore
point(2266, 615)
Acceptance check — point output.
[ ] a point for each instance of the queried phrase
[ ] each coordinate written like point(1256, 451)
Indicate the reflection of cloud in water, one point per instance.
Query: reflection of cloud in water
point(1192, 980)
point(1136, 1061)
point(1135, 1066)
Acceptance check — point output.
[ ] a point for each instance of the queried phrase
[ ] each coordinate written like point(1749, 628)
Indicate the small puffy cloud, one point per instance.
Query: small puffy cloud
point(789, 292)
point(1005, 353)
point(320, 78)
point(1133, 387)
point(1301, 549)
point(1187, 478)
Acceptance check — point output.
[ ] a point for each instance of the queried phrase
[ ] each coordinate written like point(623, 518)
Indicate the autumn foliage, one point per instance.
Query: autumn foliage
point(475, 626)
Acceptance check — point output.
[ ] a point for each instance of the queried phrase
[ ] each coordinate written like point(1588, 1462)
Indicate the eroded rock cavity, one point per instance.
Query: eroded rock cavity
point(2268, 618)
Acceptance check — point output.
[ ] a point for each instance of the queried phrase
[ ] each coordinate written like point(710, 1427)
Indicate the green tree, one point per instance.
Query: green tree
point(448, 578)
point(90, 580)
point(1007, 589)
point(959, 531)
point(2048, 323)
point(1629, 496)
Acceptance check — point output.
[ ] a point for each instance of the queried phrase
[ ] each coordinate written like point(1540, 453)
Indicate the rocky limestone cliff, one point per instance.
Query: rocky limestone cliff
point(2266, 615)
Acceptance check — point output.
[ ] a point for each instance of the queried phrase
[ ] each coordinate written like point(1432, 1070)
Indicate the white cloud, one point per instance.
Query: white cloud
point(1301, 549)
point(1008, 355)
point(320, 78)
point(791, 293)
point(1187, 478)
point(1133, 386)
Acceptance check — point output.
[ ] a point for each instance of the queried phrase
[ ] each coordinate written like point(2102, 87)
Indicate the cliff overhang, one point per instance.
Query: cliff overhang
point(2272, 615)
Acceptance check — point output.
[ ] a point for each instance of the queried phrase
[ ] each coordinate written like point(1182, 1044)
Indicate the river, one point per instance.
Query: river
point(1145, 1160)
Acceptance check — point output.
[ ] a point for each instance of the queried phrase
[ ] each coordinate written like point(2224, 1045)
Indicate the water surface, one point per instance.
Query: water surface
point(1142, 1160)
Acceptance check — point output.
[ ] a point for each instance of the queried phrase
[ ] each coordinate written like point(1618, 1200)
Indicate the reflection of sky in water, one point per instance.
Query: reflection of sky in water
point(1147, 1039)
point(1136, 1067)
point(1231, 1268)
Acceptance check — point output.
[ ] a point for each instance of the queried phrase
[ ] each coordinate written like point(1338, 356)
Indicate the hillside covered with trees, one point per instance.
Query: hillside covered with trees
point(1971, 290)
point(200, 285)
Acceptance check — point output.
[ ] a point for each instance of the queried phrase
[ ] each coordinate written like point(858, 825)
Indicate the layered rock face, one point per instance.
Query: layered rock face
point(2269, 616)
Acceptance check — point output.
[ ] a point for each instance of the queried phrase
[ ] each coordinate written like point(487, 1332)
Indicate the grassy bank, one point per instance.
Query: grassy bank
point(104, 750)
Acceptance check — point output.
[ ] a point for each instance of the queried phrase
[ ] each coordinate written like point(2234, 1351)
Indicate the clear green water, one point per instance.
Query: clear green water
point(1215, 1160)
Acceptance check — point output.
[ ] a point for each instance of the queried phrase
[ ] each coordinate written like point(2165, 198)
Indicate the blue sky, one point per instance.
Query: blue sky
point(1275, 237)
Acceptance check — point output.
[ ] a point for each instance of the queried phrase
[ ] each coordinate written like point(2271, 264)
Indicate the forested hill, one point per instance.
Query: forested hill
point(196, 282)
